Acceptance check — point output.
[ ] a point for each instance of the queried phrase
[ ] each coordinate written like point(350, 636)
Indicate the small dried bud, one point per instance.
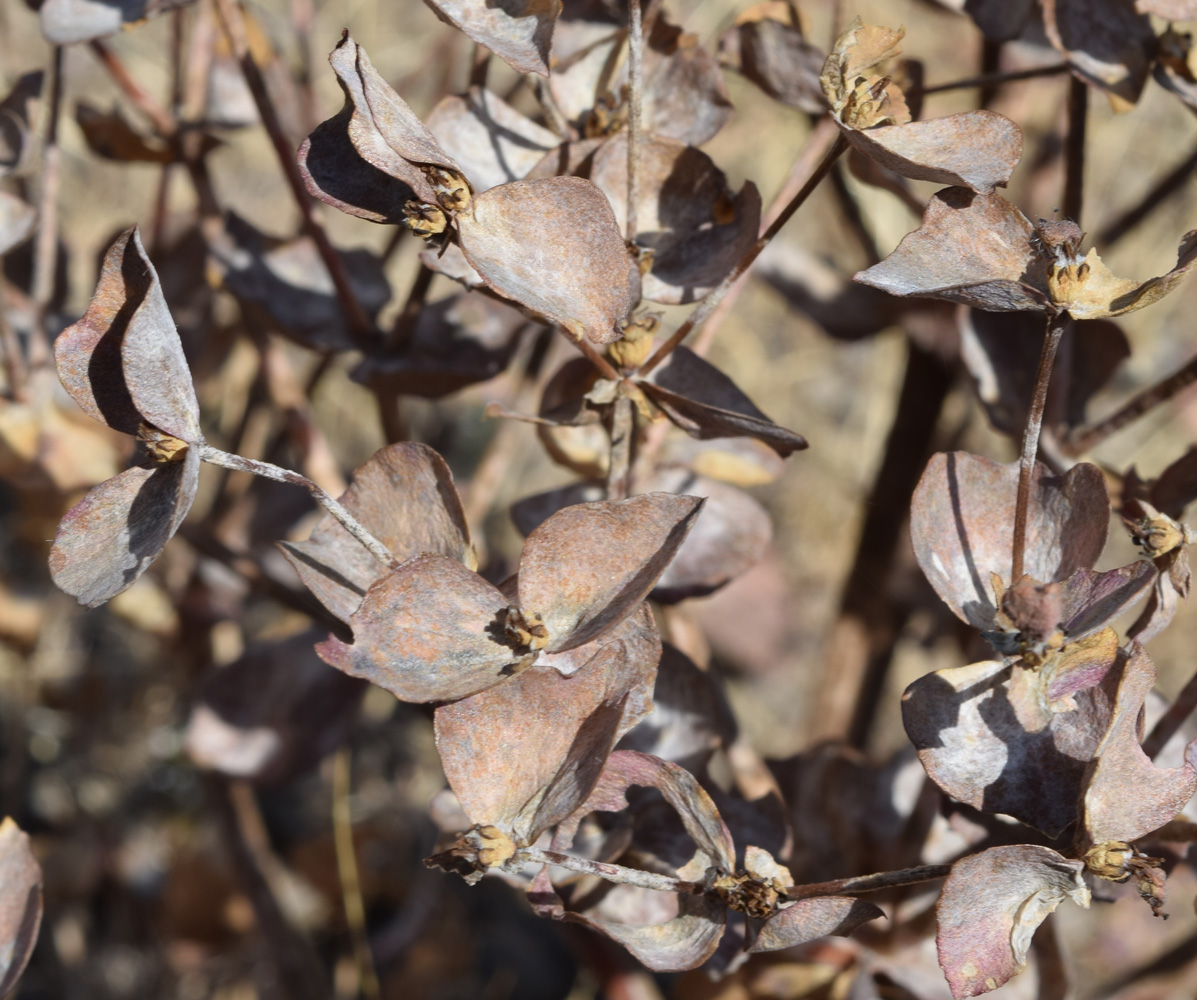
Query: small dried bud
point(633, 350)
point(494, 846)
point(1109, 860)
point(162, 447)
point(743, 891)
point(526, 630)
point(1059, 239)
point(1115, 861)
point(452, 190)
point(424, 220)
point(609, 115)
point(1158, 534)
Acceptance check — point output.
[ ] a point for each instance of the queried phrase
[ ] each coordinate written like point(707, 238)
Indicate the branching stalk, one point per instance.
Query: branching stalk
point(635, 104)
point(612, 873)
point(707, 306)
point(623, 427)
point(870, 883)
point(1056, 325)
point(990, 79)
point(214, 456)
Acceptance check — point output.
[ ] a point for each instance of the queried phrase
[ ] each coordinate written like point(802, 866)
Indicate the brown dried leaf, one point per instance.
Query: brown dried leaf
point(808, 919)
point(106, 541)
point(971, 248)
point(285, 285)
point(705, 403)
point(977, 149)
point(385, 132)
point(1001, 351)
point(520, 32)
point(109, 135)
point(492, 141)
point(430, 630)
point(1126, 796)
point(697, 228)
point(16, 221)
point(988, 736)
point(1106, 43)
point(457, 341)
point(65, 22)
point(273, 714)
point(1090, 291)
point(20, 903)
point(962, 526)
point(767, 46)
point(553, 246)
point(991, 905)
point(524, 755)
point(590, 565)
point(123, 362)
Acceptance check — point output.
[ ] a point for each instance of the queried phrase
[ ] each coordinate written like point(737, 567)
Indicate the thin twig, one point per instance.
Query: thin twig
point(215, 456)
point(986, 80)
point(623, 427)
point(612, 873)
point(1074, 149)
point(707, 306)
point(1056, 325)
point(1161, 191)
point(14, 359)
point(163, 121)
point(1088, 438)
point(635, 102)
point(1171, 721)
point(587, 348)
point(870, 883)
point(479, 66)
point(361, 327)
point(405, 321)
point(45, 246)
point(351, 887)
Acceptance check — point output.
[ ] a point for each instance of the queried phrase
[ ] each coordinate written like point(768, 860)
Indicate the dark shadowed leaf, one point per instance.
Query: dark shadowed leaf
point(589, 565)
point(404, 496)
point(989, 737)
point(1001, 351)
point(109, 135)
point(705, 403)
point(1126, 796)
point(431, 630)
point(16, 221)
point(385, 132)
point(971, 248)
point(767, 46)
point(808, 919)
point(1106, 43)
point(962, 525)
point(1092, 600)
point(458, 341)
point(106, 541)
point(697, 228)
point(1004, 20)
point(991, 905)
point(525, 754)
point(493, 143)
point(336, 173)
point(122, 362)
point(67, 21)
point(15, 112)
point(553, 246)
point(286, 286)
point(272, 714)
point(1176, 486)
point(20, 903)
point(518, 31)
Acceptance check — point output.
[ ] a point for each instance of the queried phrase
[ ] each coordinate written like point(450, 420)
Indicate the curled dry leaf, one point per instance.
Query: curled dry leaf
point(766, 45)
point(493, 142)
point(991, 905)
point(285, 285)
point(1087, 289)
point(273, 714)
point(1105, 42)
point(695, 226)
point(65, 22)
point(1126, 796)
point(432, 630)
point(405, 497)
point(20, 903)
point(962, 525)
point(705, 403)
point(124, 365)
point(520, 32)
point(524, 755)
point(458, 341)
point(1002, 738)
point(15, 111)
point(554, 247)
point(667, 932)
point(971, 248)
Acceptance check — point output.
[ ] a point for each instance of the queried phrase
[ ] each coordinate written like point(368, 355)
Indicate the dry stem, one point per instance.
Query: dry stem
point(635, 102)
